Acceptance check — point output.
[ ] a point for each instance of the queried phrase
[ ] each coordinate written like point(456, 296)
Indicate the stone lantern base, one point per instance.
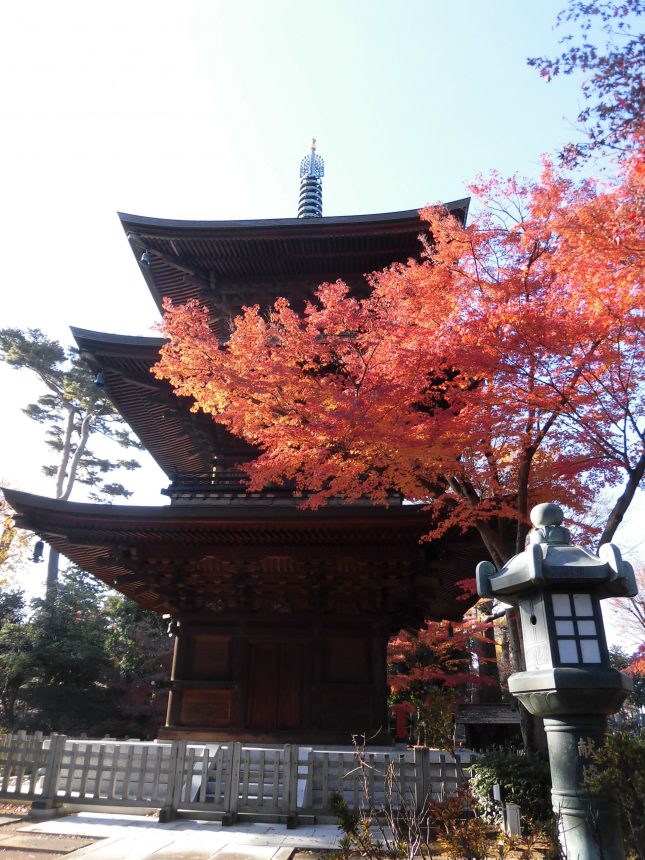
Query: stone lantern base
point(559, 691)
point(575, 722)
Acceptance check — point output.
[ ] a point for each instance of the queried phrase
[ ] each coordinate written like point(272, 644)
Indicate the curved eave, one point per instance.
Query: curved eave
point(179, 440)
point(272, 227)
point(228, 264)
point(119, 344)
point(130, 519)
point(107, 540)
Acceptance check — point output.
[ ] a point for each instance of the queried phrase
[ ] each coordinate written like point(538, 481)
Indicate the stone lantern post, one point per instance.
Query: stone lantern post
point(568, 680)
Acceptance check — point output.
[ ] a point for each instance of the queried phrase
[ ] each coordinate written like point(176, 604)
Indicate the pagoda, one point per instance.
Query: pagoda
point(281, 616)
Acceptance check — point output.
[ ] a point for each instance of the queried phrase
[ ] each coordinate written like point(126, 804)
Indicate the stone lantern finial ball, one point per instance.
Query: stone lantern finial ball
point(547, 514)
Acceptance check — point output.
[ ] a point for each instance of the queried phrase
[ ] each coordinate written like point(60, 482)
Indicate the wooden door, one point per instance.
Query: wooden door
point(274, 690)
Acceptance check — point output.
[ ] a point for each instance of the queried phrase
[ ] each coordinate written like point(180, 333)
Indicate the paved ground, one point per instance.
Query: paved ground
point(20, 843)
point(98, 836)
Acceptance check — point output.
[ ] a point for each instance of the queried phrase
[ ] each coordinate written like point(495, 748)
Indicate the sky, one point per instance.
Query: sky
point(204, 109)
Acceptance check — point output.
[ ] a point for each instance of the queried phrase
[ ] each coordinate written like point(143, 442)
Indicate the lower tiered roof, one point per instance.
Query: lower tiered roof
point(262, 559)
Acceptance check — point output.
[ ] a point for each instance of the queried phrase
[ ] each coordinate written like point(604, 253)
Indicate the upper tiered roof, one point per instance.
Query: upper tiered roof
point(228, 264)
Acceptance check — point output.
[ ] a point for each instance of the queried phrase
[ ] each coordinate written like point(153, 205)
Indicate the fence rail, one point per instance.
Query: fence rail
point(220, 780)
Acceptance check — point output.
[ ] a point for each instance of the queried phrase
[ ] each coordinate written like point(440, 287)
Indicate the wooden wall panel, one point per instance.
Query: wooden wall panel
point(347, 710)
point(205, 708)
point(292, 657)
point(348, 659)
point(262, 690)
point(209, 658)
point(277, 678)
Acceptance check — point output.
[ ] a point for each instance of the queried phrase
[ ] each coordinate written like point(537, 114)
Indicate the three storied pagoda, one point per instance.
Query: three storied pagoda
point(281, 616)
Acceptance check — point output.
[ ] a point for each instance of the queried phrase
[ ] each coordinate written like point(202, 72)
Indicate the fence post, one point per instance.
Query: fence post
point(176, 761)
point(422, 775)
point(443, 776)
point(47, 803)
point(290, 787)
point(232, 788)
point(459, 769)
point(420, 790)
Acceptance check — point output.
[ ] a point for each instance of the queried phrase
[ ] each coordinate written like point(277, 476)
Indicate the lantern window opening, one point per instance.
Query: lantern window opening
point(576, 628)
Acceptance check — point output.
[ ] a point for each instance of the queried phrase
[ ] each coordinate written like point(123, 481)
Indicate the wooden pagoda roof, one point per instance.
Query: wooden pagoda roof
point(228, 264)
point(180, 441)
point(167, 557)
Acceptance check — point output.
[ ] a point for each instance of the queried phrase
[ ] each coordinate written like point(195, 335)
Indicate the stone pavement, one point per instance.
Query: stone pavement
point(134, 837)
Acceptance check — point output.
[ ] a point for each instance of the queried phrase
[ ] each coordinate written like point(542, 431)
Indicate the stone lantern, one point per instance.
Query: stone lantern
point(568, 679)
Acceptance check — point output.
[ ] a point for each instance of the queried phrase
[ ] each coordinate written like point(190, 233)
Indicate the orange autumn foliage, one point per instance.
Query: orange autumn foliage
point(502, 369)
point(437, 655)
point(636, 665)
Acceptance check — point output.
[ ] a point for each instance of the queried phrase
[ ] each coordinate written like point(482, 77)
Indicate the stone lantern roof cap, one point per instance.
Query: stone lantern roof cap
point(551, 563)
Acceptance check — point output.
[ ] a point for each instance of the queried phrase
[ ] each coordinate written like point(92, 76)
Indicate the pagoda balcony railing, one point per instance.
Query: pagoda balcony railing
point(223, 485)
point(204, 482)
point(226, 485)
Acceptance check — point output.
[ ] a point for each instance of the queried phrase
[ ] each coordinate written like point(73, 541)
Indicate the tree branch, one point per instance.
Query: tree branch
point(623, 502)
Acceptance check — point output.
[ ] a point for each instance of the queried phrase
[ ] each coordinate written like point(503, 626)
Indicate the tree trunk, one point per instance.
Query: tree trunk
point(51, 585)
point(61, 474)
point(522, 528)
point(64, 482)
point(84, 435)
point(495, 545)
point(487, 657)
point(619, 510)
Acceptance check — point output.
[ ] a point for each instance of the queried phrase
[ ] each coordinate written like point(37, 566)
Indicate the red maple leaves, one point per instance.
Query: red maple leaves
point(502, 369)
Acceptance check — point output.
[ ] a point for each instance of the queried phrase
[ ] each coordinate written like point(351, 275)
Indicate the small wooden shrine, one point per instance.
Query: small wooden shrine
point(281, 616)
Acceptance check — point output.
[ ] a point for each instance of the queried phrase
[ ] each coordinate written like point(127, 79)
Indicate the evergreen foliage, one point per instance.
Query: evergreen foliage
point(525, 779)
point(618, 767)
point(74, 409)
point(85, 660)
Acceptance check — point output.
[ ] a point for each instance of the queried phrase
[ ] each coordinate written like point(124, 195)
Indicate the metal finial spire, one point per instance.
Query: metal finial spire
point(312, 170)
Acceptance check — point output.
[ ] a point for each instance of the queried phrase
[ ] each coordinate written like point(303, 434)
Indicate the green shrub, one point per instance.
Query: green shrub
point(525, 779)
point(619, 767)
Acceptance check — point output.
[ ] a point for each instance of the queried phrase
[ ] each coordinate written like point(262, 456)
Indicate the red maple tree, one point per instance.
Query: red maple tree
point(501, 369)
point(430, 671)
point(636, 664)
point(440, 654)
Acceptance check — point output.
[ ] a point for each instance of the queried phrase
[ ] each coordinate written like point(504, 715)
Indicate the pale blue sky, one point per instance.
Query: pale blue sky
point(204, 109)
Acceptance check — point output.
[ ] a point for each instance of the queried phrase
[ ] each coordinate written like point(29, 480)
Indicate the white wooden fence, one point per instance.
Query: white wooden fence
point(220, 781)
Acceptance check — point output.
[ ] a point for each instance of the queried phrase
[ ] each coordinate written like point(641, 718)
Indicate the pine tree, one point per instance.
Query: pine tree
point(74, 410)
